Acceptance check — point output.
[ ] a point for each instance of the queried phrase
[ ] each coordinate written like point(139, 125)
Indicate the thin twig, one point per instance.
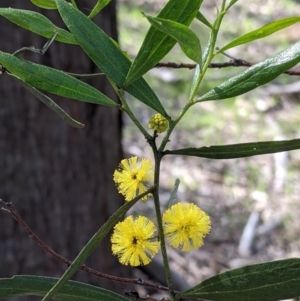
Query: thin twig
point(231, 63)
point(9, 208)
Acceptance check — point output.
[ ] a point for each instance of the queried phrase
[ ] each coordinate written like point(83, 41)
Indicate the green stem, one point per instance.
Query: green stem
point(211, 50)
point(157, 156)
point(207, 58)
point(160, 224)
point(172, 126)
point(127, 110)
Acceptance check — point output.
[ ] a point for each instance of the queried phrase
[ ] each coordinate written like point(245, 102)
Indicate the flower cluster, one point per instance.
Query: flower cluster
point(185, 226)
point(158, 123)
point(133, 176)
point(134, 240)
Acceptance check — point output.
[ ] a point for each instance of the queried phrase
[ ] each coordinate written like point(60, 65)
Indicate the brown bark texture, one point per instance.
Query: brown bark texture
point(57, 177)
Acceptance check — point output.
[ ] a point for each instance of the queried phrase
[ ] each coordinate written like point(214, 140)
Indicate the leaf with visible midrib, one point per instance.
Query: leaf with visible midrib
point(53, 81)
point(256, 75)
point(241, 150)
point(275, 280)
point(156, 43)
point(36, 23)
point(104, 52)
point(262, 32)
point(184, 36)
point(39, 286)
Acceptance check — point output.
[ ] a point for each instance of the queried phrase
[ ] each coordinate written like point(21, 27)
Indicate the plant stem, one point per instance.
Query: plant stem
point(172, 126)
point(155, 193)
point(199, 73)
point(209, 54)
point(127, 110)
point(160, 225)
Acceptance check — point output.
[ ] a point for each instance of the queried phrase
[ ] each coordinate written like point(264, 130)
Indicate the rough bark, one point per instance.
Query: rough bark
point(59, 178)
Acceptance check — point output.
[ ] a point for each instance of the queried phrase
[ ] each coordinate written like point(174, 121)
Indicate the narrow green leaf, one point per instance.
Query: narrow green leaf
point(256, 75)
point(184, 36)
point(98, 7)
point(241, 150)
point(262, 32)
point(50, 104)
point(232, 2)
point(46, 4)
point(105, 54)
point(53, 81)
point(202, 19)
point(194, 84)
point(276, 280)
point(73, 2)
point(36, 23)
point(156, 43)
point(38, 286)
point(197, 73)
point(91, 246)
point(173, 195)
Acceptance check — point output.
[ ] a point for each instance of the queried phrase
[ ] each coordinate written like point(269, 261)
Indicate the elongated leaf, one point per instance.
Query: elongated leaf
point(232, 2)
point(156, 43)
point(38, 286)
point(202, 19)
point(232, 151)
point(268, 281)
point(46, 4)
point(105, 54)
point(50, 104)
point(53, 81)
point(173, 195)
point(256, 75)
point(98, 7)
point(91, 246)
point(36, 23)
point(184, 36)
point(197, 73)
point(262, 32)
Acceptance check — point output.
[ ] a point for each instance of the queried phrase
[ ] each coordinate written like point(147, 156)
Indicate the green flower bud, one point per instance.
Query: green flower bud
point(158, 123)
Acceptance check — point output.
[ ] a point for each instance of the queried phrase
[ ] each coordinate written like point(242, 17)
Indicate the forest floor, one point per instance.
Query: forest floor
point(261, 192)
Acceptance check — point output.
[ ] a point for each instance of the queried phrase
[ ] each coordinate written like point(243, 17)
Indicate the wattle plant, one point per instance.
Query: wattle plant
point(136, 240)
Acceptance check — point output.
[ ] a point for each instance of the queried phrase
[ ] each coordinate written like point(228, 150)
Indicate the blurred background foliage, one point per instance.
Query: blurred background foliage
point(261, 192)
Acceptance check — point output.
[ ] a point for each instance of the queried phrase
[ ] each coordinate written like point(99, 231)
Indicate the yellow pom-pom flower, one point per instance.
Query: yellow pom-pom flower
point(158, 123)
point(185, 226)
point(133, 241)
point(133, 176)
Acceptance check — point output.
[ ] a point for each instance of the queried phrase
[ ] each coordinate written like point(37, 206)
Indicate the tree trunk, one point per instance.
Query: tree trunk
point(57, 177)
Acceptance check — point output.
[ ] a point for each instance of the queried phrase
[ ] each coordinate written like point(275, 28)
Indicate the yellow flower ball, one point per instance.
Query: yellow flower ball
point(185, 226)
point(133, 241)
point(133, 177)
